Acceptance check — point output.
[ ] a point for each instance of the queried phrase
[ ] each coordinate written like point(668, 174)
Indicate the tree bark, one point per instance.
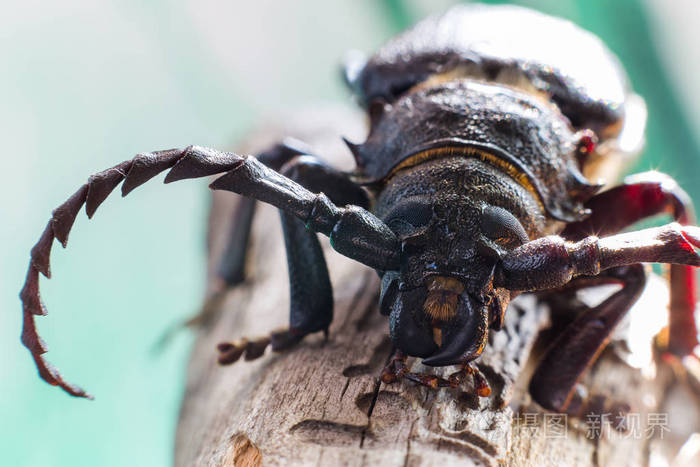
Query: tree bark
point(322, 403)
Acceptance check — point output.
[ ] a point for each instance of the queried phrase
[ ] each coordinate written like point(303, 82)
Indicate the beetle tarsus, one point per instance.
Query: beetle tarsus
point(252, 349)
point(397, 369)
point(249, 349)
point(284, 339)
point(481, 384)
point(231, 352)
point(427, 380)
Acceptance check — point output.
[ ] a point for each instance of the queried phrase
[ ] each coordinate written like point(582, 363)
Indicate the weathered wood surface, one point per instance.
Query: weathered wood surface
point(322, 402)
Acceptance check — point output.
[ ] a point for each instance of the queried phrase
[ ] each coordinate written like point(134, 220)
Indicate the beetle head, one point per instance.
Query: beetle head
point(441, 301)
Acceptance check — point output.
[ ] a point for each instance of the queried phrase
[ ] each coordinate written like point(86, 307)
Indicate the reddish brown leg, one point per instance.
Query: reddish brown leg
point(481, 386)
point(554, 382)
point(642, 196)
point(397, 369)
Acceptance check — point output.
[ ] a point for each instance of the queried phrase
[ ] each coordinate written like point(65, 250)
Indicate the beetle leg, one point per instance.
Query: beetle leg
point(231, 267)
point(251, 349)
point(642, 196)
point(396, 369)
point(311, 294)
point(232, 263)
point(553, 385)
point(230, 270)
point(354, 231)
point(481, 385)
point(550, 262)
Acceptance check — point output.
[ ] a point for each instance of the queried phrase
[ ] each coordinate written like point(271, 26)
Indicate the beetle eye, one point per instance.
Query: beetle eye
point(502, 227)
point(406, 218)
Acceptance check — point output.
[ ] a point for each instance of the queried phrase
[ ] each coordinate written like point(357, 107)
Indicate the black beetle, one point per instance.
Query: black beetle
point(472, 186)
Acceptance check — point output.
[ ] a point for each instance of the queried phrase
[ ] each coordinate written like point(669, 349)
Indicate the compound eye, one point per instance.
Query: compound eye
point(502, 227)
point(409, 217)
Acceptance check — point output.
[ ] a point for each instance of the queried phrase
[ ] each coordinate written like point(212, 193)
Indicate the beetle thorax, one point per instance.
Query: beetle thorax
point(436, 209)
point(455, 217)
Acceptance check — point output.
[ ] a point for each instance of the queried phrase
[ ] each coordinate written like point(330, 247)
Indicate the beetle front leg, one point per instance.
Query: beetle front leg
point(551, 262)
point(310, 286)
point(353, 231)
point(642, 196)
point(311, 295)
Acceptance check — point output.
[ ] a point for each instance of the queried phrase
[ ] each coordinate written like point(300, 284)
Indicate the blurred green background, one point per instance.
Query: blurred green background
point(86, 84)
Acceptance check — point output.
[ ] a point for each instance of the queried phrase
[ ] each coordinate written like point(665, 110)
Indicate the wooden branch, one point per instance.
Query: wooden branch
point(322, 403)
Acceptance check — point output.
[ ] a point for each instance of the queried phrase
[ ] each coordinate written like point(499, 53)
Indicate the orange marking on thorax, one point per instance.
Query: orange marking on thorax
point(468, 152)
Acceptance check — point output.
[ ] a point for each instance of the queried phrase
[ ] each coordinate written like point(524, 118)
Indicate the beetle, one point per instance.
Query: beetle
point(473, 186)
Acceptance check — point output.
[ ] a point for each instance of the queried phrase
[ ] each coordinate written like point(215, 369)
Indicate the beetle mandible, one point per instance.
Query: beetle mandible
point(474, 185)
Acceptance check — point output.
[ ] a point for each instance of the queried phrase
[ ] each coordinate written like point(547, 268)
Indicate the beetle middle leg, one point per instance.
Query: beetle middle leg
point(311, 295)
point(574, 350)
